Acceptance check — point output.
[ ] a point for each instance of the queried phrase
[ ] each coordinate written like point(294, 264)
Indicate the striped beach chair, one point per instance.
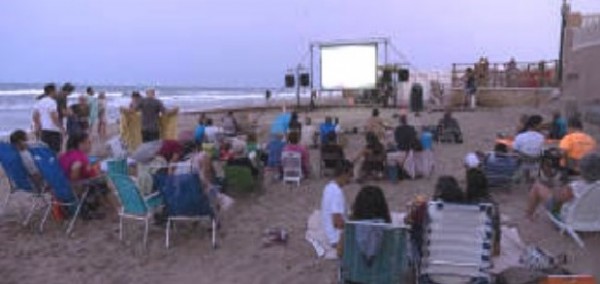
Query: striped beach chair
point(457, 244)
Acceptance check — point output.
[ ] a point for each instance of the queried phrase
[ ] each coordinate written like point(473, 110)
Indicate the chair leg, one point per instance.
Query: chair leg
point(30, 213)
point(146, 232)
point(576, 237)
point(5, 203)
point(77, 210)
point(120, 227)
point(167, 233)
point(45, 217)
point(214, 233)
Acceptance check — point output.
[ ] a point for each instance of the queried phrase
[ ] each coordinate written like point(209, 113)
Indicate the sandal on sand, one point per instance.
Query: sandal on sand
point(275, 236)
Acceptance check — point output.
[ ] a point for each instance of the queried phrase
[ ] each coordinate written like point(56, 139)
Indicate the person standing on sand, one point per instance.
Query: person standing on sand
point(93, 109)
point(151, 109)
point(470, 89)
point(46, 119)
point(333, 204)
point(102, 114)
point(61, 101)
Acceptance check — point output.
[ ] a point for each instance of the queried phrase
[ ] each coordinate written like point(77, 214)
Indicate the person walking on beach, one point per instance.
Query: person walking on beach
point(102, 115)
point(151, 109)
point(47, 120)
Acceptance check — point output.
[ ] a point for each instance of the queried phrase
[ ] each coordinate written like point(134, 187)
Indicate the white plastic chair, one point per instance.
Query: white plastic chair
point(292, 166)
point(583, 216)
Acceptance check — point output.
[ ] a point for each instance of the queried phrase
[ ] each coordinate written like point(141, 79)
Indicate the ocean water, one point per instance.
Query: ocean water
point(17, 100)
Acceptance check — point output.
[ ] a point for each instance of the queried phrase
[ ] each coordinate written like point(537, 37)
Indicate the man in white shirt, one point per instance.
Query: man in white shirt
point(46, 119)
point(211, 131)
point(333, 204)
point(529, 145)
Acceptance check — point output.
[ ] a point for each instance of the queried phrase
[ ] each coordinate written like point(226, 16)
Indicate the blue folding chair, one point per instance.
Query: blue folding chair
point(18, 178)
point(185, 200)
point(133, 204)
point(60, 187)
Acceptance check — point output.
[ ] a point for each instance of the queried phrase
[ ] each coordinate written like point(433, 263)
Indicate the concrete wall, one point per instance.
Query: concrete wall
point(503, 97)
point(581, 76)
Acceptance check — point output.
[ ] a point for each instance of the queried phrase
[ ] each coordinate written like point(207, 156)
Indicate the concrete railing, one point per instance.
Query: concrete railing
point(589, 33)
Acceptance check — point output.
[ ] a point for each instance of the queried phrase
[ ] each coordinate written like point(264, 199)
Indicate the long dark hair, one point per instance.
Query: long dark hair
point(370, 204)
point(477, 185)
point(75, 140)
point(447, 190)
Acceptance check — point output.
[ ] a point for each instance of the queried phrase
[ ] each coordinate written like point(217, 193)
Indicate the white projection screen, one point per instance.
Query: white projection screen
point(349, 66)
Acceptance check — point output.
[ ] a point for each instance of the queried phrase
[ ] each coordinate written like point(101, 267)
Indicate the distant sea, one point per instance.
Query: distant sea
point(17, 100)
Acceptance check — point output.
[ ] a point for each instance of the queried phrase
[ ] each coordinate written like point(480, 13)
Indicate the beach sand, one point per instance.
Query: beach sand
point(94, 253)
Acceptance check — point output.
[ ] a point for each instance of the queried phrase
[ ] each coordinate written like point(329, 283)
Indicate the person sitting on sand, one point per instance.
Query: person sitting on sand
point(19, 140)
point(558, 126)
point(372, 156)
point(575, 145)
point(529, 146)
point(559, 201)
point(370, 204)
point(405, 135)
point(499, 167)
point(240, 159)
point(230, 125)
point(476, 193)
point(332, 148)
point(326, 128)
point(448, 126)
point(294, 146)
point(77, 167)
point(376, 125)
point(446, 190)
point(333, 204)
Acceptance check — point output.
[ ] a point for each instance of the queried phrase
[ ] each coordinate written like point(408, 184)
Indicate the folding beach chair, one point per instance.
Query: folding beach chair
point(374, 253)
point(457, 244)
point(133, 205)
point(292, 166)
point(583, 216)
point(18, 179)
point(60, 187)
point(239, 179)
point(328, 162)
point(185, 200)
point(500, 170)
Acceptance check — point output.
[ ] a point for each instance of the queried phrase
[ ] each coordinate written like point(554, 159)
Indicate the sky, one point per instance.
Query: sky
point(252, 43)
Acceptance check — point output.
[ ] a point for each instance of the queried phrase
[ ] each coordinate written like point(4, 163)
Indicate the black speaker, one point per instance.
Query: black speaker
point(387, 76)
point(290, 81)
point(403, 75)
point(305, 80)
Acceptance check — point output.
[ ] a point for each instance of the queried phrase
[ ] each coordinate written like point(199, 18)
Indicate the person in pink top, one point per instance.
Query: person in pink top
point(294, 146)
point(75, 162)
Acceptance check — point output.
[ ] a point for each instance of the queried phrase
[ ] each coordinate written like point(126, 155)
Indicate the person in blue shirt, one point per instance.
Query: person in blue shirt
point(558, 128)
point(199, 133)
point(325, 129)
point(426, 139)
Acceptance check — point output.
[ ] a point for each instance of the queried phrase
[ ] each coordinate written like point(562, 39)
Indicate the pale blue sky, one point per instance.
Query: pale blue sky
point(236, 43)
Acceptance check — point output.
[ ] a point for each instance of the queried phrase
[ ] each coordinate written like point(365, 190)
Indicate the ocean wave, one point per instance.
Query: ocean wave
point(21, 92)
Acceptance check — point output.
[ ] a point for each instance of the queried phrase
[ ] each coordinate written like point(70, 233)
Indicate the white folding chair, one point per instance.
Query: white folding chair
point(292, 166)
point(583, 216)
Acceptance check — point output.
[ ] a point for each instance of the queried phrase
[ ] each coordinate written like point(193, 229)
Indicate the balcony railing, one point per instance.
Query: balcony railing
point(508, 75)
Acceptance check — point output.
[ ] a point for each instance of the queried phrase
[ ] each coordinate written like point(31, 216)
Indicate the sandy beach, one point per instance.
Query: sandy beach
point(94, 253)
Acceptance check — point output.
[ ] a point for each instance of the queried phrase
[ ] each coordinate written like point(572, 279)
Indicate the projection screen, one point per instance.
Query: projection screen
point(352, 66)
